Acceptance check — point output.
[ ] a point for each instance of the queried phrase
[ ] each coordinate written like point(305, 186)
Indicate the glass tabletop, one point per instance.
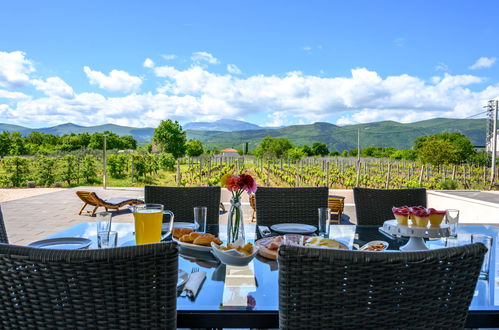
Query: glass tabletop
point(255, 287)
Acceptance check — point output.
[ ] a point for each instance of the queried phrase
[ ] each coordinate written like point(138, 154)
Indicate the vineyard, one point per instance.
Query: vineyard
point(127, 169)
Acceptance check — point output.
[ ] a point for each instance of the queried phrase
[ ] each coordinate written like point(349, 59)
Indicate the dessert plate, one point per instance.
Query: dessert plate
point(293, 228)
point(62, 243)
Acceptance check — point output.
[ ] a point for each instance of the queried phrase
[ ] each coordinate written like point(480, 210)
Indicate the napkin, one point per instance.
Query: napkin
point(193, 284)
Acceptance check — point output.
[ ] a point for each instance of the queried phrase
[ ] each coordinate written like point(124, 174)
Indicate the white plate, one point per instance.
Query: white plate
point(191, 225)
point(62, 243)
point(182, 277)
point(192, 246)
point(293, 228)
point(365, 246)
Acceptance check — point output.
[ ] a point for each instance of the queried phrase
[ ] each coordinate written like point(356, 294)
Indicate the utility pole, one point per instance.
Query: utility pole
point(358, 145)
point(494, 144)
point(104, 181)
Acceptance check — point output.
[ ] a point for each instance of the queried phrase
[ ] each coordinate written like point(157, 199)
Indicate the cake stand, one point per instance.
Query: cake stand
point(416, 234)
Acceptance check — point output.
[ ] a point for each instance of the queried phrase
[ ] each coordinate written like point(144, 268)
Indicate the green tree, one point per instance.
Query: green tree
point(17, 146)
point(16, 170)
point(45, 170)
point(405, 154)
point(69, 173)
point(89, 168)
point(272, 147)
point(319, 149)
point(462, 147)
point(166, 161)
point(194, 148)
point(307, 150)
point(296, 153)
point(4, 144)
point(170, 137)
point(116, 164)
point(437, 152)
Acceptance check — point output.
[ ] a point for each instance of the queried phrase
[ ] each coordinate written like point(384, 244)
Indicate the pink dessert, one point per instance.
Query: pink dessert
point(421, 217)
point(401, 214)
point(413, 209)
point(436, 216)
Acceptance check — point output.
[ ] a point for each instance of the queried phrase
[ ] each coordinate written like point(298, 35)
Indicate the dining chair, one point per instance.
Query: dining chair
point(3, 231)
point(374, 206)
point(337, 289)
point(182, 200)
point(289, 205)
point(132, 287)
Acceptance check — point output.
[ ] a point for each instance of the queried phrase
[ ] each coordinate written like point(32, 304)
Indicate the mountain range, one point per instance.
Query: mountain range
point(235, 134)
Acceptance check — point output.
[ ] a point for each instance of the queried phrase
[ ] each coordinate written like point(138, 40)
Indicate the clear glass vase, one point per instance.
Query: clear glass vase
point(235, 223)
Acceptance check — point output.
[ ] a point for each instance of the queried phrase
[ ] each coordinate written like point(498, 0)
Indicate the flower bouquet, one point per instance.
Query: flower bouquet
point(237, 184)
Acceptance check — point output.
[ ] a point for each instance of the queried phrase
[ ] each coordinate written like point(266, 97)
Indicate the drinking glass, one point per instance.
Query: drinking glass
point(452, 219)
point(324, 221)
point(103, 220)
point(107, 239)
point(148, 220)
point(200, 213)
point(487, 241)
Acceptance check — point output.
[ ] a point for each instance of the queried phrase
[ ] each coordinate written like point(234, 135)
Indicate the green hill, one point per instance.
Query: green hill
point(383, 133)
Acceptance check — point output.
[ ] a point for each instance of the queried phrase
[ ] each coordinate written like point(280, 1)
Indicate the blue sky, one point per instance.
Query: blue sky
point(268, 62)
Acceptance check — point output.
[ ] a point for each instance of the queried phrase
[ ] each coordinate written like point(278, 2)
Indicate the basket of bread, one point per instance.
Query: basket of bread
point(237, 254)
point(190, 239)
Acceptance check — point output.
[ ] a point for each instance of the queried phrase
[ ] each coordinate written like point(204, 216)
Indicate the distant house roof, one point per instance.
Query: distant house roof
point(228, 150)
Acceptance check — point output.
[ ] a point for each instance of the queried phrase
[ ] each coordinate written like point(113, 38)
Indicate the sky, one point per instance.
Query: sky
point(269, 62)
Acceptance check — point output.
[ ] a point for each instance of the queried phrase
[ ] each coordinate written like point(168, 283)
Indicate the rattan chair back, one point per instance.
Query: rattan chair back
point(182, 200)
point(3, 231)
point(289, 205)
point(123, 288)
point(341, 289)
point(374, 206)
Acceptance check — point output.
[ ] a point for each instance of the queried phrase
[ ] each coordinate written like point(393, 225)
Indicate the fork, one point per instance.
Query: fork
point(193, 270)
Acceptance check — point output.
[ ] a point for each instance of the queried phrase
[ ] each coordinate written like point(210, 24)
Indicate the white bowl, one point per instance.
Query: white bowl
point(232, 257)
point(366, 246)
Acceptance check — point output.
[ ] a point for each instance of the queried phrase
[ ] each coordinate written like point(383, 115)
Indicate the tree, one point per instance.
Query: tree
point(296, 153)
point(16, 170)
point(462, 147)
point(272, 147)
point(69, 168)
point(320, 149)
point(166, 161)
point(116, 163)
point(89, 168)
point(170, 137)
point(45, 170)
point(4, 144)
point(437, 152)
point(194, 148)
point(307, 150)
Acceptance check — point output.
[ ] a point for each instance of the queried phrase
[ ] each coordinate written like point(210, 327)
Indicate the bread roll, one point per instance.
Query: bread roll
point(179, 232)
point(204, 239)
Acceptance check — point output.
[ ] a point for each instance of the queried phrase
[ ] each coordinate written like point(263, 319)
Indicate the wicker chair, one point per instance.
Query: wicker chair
point(124, 288)
point(182, 200)
point(339, 289)
point(374, 206)
point(293, 205)
point(3, 231)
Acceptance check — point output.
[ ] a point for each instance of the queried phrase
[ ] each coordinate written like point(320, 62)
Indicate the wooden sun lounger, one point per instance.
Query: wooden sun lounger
point(91, 198)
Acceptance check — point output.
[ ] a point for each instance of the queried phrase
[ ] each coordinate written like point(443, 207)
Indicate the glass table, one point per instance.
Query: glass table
point(247, 297)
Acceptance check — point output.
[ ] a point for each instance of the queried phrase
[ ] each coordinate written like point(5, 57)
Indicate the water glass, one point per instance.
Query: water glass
point(107, 239)
point(103, 220)
point(324, 221)
point(200, 213)
point(452, 219)
point(487, 241)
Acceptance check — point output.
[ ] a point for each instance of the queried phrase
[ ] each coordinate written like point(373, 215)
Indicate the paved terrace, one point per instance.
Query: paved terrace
point(33, 218)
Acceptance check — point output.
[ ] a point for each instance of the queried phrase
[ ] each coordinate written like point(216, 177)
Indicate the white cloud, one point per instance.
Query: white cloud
point(483, 62)
point(54, 86)
point(196, 93)
point(148, 63)
point(307, 48)
point(442, 67)
point(15, 69)
point(169, 57)
point(117, 81)
point(199, 57)
point(13, 95)
point(232, 68)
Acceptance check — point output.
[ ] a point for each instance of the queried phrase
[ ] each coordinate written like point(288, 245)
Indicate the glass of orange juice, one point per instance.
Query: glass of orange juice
point(148, 222)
